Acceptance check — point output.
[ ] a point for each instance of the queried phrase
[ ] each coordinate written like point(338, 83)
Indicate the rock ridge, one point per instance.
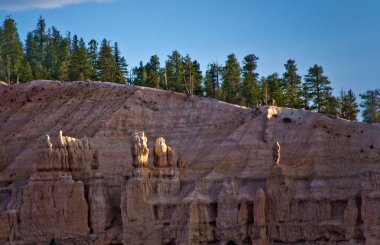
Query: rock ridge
point(97, 163)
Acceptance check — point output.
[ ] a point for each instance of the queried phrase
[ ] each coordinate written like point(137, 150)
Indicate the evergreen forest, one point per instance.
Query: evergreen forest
point(46, 53)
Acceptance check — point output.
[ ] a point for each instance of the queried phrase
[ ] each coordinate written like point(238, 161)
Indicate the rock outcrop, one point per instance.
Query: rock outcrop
point(66, 154)
point(101, 215)
point(227, 222)
point(370, 206)
point(52, 205)
point(220, 176)
point(140, 150)
point(276, 153)
point(259, 232)
point(164, 155)
point(145, 198)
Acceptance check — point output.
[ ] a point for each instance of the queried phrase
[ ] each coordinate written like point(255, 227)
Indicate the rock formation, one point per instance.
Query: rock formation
point(99, 182)
point(65, 154)
point(52, 205)
point(142, 194)
point(370, 206)
point(140, 150)
point(259, 235)
point(160, 153)
point(276, 153)
point(164, 155)
point(101, 215)
point(227, 216)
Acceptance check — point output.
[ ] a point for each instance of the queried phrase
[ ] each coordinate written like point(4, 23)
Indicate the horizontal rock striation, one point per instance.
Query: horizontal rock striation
point(98, 163)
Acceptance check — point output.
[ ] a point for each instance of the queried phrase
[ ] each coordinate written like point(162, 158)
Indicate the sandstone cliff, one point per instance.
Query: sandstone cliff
point(221, 173)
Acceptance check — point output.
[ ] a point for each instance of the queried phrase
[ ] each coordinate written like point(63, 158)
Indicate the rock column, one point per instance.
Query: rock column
point(259, 225)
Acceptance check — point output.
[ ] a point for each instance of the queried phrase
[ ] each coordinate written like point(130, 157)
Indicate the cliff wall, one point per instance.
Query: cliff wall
point(264, 175)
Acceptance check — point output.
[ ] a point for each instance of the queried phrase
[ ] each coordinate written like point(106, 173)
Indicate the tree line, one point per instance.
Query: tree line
point(240, 84)
point(47, 54)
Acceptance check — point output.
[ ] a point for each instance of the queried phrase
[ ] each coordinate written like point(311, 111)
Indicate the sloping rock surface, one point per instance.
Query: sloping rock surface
point(263, 175)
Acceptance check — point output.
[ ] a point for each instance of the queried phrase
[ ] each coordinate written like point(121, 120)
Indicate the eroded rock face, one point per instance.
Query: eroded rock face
point(259, 234)
point(66, 154)
point(164, 155)
point(143, 205)
point(99, 183)
point(8, 226)
point(160, 153)
point(136, 212)
point(370, 208)
point(276, 153)
point(140, 150)
point(227, 218)
point(101, 215)
point(52, 205)
point(298, 211)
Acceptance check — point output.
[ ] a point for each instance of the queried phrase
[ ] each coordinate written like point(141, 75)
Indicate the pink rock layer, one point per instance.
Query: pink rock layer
point(232, 185)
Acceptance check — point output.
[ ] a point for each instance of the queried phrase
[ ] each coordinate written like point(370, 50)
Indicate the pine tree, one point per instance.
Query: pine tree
point(63, 71)
point(123, 70)
point(291, 82)
point(73, 69)
point(331, 104)
point(11, 51)
point(40, 38)
point(305, 97)
point(26, 72)
point(348, 106)
point(231, 83)
point(121, 65)
point(79, 68)
point(371, 106)
point(36, 50)
point(74, 45)
point(197, 78)
point(140, 75)
point(175, 74)
point(64, 58)
point(83, 62)
point(192, 76)
point(55, 49)
point(273, 82)
point(51, 58)
point(49, 55)
point(188, 74)
point(211, 80)
point(92, 53)
point(106, 63)
point(31, 52)
point(318, 87)
point(263, 91)
point(40, 72)
point(152, 69)
point(250, 89)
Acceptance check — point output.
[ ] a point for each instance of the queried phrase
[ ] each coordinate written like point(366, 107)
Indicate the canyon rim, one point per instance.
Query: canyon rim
point(100, 163)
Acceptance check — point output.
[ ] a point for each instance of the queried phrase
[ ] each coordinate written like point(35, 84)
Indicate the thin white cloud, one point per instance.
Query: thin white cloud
point(16, 5)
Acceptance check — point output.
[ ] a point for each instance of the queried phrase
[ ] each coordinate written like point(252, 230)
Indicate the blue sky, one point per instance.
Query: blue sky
point(343, 36)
